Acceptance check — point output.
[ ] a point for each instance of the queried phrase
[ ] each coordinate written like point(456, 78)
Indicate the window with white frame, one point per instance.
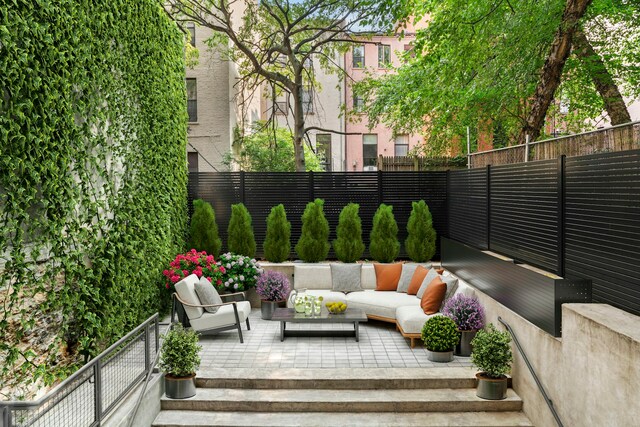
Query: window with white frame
point(358, 56)
point(384, 55)
point(401, 147)
point(323, 150)
point(369, 150)
point(192, 100)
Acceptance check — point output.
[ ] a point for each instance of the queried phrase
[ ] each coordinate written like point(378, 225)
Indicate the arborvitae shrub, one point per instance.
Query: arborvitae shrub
point(203, 234)
point(421, 241)
point(277, 244)
point(383, 243)
point(348, 244)
point(313, 245)
point(240, 233)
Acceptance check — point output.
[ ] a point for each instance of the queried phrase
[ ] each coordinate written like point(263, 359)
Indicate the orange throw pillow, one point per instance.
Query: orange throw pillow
point(433, 296)
point(440, 271)
point(416, 280)
point(387, 276)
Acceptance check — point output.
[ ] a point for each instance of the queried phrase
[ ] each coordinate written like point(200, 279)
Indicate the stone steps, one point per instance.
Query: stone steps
point(310, 419)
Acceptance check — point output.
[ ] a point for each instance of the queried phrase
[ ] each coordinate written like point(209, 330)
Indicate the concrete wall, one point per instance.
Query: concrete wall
point(591, 374)
point(149, 405)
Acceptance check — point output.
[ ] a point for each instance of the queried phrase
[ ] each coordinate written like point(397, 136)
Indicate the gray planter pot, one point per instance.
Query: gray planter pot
point(268, 307)
point(179, 388)
point(464, 348)
point(490, 388)
point(440, 356)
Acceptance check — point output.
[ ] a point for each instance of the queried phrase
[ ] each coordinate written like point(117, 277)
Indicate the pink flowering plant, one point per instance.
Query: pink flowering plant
point(465, 311)
point(273, 286)
point(194, 262)
point(240, 272)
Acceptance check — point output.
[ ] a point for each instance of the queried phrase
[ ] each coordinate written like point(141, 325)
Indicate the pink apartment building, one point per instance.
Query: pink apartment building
point(373, 56)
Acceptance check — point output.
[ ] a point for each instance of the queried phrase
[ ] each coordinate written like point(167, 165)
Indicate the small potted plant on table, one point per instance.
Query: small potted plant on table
point(492, 356)
point(440, 336)
point(272, 288)
point(179, 360)
point(468, 315)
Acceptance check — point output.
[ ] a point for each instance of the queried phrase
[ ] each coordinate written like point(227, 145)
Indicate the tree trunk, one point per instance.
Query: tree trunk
point(606, 86)
point(298, 127)
point(552, 69)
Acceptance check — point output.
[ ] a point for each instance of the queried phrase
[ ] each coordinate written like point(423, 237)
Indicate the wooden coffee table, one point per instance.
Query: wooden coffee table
point(289, 315)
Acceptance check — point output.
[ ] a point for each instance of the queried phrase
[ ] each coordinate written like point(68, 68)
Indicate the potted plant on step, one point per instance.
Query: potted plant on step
point(440, 336)
point(179, 360)
point(272, 288)
point(492, 356)
point(468, 315)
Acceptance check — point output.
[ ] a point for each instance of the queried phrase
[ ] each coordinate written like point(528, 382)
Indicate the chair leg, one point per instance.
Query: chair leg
point(248, 325)
point(240, 333)
point(238, 324)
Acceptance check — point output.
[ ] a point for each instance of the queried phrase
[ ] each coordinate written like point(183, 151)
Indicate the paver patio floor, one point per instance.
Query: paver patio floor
point(380, 346)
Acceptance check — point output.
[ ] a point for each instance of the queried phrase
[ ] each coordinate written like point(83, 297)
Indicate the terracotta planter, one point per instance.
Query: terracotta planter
point(440, 356)
point(464, 347)
point(180, 387)
point(268, 307)
point(491, 388)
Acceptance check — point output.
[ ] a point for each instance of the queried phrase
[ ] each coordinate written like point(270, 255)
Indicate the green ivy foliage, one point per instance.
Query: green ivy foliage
point(92, 174)
point(240, 232)
point(313, 245)
point(348, 244)
point(421, 239)
point(383, 240)
point(203, 232)
point(277, 243)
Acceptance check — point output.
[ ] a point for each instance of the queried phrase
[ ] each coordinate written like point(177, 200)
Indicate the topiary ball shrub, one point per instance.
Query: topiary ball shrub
point(383, 240)
point(348, 244)
point(440, 333)
point(313, 245)
point(466, 312)
point(203, 232)
point(180, 352)
point(277, 244)
point(421, 240)
point(492, 352)
point(240, 239)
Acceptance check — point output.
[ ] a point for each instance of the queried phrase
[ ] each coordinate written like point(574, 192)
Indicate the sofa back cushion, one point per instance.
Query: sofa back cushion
point(186, 290)
point(433, 296)
point(416, 280)
point(432, 274)
point(207, 294)
point(368, 277)
point(346, 277)
point(408, 270)
point(387, 276)
point(312, 276)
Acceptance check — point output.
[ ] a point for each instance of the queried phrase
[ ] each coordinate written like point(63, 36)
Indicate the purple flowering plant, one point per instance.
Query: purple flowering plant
point(272, 286)
point(465, 311)
point(240, 272)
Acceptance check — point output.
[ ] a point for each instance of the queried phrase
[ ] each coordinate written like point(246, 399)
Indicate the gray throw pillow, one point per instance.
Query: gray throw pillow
point(432, 274)
point(407, 273)
point(207, 294)
point(346, 277)
point(452, 286)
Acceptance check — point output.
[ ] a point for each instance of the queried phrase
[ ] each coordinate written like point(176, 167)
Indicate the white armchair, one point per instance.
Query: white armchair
point(230, 315)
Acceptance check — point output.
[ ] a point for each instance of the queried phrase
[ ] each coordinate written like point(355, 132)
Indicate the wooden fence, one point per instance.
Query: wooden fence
point(416, 164)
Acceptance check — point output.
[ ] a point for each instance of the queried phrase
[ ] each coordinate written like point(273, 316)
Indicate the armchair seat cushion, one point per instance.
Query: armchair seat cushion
point(224, 317)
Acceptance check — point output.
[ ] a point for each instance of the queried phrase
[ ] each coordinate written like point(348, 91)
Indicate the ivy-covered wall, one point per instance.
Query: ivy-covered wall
point(92, 176)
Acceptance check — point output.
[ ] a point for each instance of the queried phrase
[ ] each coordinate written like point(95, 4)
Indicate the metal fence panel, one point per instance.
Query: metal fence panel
point(603, 226)
point(467, 199)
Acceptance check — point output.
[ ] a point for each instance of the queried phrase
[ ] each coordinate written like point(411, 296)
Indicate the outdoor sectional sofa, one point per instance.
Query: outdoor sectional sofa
point(389, 306)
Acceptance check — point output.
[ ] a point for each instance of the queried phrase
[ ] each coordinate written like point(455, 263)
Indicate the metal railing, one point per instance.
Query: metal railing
point(87, 396)
point(533, 372)
point(615, 138)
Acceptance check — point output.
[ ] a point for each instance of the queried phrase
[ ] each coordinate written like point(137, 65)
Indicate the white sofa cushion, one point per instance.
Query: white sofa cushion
point(312, 276)
point(411, 318)
point(380, 303)
point(369, 279)
point(224, 317)
point(186, 291)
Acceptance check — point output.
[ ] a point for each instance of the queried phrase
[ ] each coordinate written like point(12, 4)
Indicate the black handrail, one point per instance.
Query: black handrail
point(533, 372)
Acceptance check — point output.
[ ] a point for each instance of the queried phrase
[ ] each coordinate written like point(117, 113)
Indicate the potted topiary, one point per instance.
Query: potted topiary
point(272, 288)
point(468, 315)
point(179, 360)
point(492, 356)
point(440, 336)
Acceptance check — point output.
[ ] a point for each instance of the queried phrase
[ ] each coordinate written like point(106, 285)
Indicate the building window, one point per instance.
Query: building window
point(281, 107)
point(358, 102)
point(369, 151)
point(192, 161)
point(192, 100)
point(409, 50)
point(307, 100)
point(402, 145)
point(323, 150)
point(191, 27)
point(358, 56)
point(384, 55)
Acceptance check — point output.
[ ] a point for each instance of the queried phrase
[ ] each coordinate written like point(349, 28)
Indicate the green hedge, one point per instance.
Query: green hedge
point(92, 173)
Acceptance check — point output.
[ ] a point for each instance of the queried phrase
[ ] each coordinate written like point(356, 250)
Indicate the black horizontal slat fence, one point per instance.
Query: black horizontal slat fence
point(261, 191)
point(467, 199)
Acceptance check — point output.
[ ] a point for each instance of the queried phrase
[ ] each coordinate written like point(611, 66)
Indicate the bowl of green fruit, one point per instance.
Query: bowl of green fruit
point(336, 307)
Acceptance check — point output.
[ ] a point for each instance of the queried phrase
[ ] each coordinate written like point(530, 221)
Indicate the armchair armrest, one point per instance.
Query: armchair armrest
point(176, 296)
point(243, 293)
